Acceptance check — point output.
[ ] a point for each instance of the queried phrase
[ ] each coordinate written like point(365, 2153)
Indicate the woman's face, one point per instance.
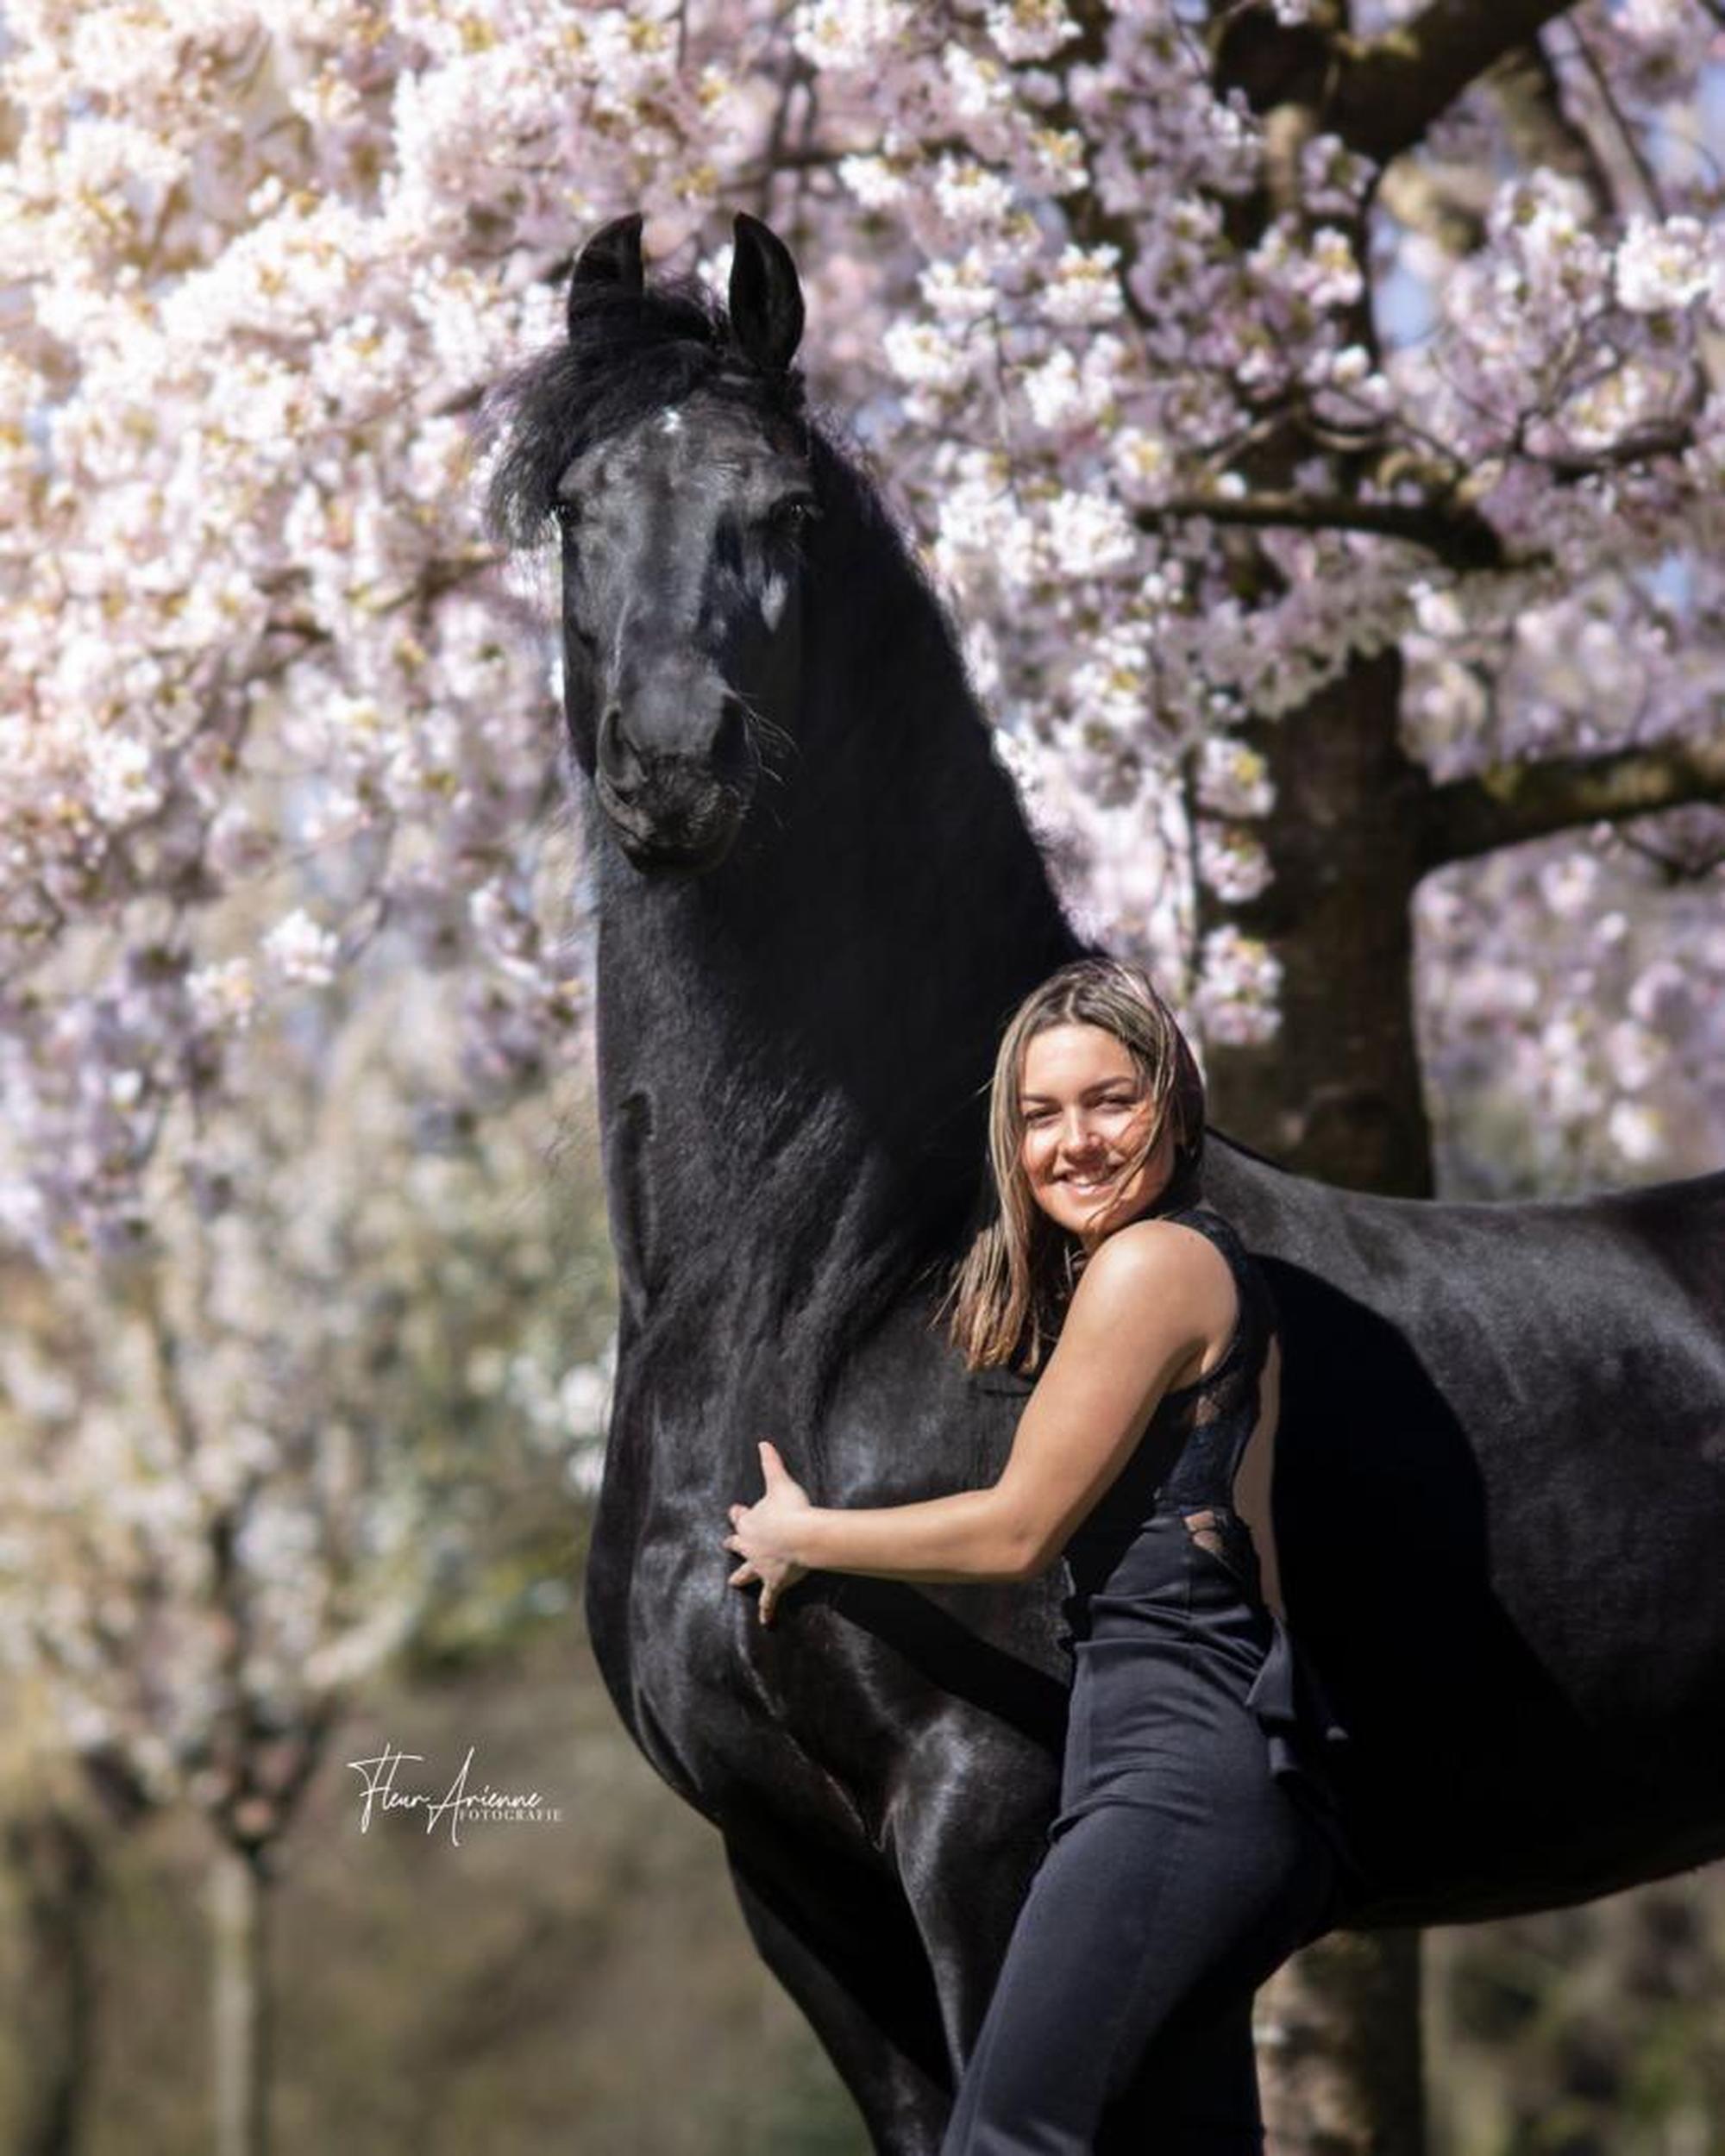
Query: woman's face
point(1086, 1114)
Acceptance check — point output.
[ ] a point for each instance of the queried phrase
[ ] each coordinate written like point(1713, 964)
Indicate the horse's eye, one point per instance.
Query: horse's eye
point(792, 513)
point(567, 514)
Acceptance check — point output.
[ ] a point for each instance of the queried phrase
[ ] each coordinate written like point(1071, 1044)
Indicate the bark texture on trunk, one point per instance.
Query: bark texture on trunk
point(1339, 2047)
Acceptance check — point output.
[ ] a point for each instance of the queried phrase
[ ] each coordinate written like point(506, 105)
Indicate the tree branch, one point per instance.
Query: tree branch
point(1461, 537)
point(1380, 95)
point(1384, 95)
point(1673, 869)
point(1514, 802)
point(1657, 438)
point(1626, 133)
point(1540, 129)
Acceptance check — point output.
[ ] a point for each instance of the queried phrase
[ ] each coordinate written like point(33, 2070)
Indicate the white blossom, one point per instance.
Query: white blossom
point(224, 994)
point(919, 352)
point(1084, 287)
point(1636, 1130)
point(1662, 266)
point(1233, 780)
point(1088, 535)
point(1030, 29)
point(848, 36)
point(300, 950)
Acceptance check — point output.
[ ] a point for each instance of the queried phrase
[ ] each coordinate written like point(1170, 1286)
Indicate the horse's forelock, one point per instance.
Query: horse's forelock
point(626, 355)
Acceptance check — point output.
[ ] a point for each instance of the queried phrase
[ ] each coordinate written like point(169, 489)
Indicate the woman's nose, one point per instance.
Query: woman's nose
point(1077, 1136)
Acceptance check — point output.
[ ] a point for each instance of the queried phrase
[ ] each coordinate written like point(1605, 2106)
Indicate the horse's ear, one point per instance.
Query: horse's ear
point(612, 256)
point(765, 296)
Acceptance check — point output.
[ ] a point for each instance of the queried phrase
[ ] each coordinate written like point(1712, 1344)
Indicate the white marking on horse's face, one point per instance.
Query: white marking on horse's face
point(670, 420)
point(773, 597)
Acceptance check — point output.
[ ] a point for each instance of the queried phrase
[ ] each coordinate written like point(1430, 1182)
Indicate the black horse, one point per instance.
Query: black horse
point(1500, 1497)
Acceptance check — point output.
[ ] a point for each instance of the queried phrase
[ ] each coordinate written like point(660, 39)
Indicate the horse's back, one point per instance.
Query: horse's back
point(1500, 1495)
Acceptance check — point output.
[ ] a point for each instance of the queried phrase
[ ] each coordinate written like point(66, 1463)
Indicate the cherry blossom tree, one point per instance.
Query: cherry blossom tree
point(1313, 415)
point(246, 1463)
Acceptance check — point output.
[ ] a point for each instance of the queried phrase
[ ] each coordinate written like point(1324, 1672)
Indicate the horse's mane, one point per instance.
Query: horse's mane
point(627, 355)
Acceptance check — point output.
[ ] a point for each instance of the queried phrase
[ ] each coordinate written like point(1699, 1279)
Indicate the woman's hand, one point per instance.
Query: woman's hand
point(762, 1535)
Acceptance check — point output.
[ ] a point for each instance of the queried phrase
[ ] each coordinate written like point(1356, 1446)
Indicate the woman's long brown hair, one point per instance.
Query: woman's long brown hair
point(1010, 1291)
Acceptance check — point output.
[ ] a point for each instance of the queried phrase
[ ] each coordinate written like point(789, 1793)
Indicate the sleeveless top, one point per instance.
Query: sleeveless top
point(1191, 1449)
point(1120, 1555)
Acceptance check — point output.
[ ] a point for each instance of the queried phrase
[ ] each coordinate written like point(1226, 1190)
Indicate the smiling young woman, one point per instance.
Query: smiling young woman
point(1196, 1843)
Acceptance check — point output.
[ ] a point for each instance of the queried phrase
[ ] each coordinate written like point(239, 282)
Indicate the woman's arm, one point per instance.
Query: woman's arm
point(1151, 1298)
point(968, 1536)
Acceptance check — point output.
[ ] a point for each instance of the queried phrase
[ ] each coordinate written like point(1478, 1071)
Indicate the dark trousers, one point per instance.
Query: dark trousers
point(1162, 1904)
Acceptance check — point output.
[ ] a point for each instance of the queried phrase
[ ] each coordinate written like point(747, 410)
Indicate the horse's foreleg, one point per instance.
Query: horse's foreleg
point(839, 1938)
point(967, 1869)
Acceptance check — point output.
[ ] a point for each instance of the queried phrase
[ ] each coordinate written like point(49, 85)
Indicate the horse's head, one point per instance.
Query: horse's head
point(669, 444)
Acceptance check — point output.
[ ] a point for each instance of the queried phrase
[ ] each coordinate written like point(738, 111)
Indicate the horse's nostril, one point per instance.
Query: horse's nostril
point(617, 759)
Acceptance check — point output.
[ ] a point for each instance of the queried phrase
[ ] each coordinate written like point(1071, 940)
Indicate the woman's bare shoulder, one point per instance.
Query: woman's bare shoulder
point(1158, 1257)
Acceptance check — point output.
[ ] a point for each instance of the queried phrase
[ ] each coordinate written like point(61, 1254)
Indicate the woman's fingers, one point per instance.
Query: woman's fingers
point(749, 1572)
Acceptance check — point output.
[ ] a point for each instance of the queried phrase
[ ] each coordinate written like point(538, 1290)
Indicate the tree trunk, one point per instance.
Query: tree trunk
point(54, 1858)
point(1338, 2047)
point(1337, 1094)
point(239, 2032)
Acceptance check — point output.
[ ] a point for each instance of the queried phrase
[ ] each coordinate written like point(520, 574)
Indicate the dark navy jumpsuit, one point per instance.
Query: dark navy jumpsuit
point(1197, 1843)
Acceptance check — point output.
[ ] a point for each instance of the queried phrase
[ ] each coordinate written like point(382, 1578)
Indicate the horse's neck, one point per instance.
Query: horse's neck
point(816, 1020)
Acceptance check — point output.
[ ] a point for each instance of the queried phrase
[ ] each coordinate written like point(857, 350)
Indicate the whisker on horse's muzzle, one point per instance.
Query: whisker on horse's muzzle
point(675, 812)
